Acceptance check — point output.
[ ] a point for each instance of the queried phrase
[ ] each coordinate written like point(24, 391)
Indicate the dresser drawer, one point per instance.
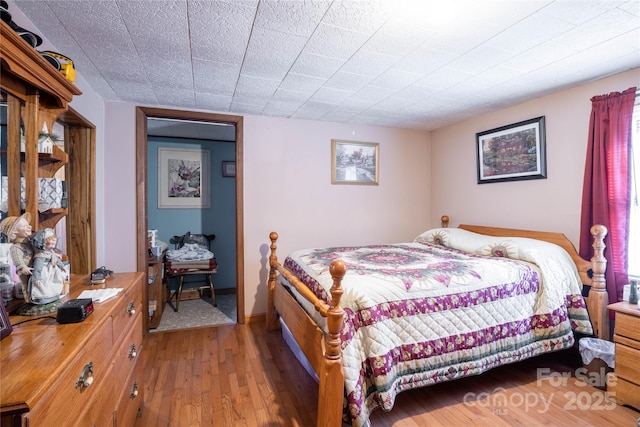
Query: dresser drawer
point(627, 326)
point(101, 411)
point(128, 352)
point(129, 305)
point(67, 398)
point(625, 393)
point(627, 363)
point(132, 397)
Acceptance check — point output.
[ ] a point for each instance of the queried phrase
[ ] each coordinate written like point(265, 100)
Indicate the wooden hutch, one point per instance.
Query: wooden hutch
point(87, 373)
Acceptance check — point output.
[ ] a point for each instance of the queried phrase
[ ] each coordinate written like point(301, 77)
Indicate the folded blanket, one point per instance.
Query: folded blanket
point(189, 252)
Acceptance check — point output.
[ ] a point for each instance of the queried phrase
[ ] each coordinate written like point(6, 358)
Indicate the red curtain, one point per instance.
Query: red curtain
point(606, 192)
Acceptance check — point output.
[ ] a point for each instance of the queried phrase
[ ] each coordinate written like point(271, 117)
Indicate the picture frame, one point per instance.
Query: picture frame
point(183, 178)
point(228, 168)
point(354, 162)
point(5, 323)
point(515, 152)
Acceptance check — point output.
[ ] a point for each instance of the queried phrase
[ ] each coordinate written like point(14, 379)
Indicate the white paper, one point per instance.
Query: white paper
point(100, 295)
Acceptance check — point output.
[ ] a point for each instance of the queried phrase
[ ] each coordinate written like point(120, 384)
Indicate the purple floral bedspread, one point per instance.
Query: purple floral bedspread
point(445, 306)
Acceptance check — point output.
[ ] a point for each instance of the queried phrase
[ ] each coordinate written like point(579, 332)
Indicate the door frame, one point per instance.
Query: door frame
point(144, 113)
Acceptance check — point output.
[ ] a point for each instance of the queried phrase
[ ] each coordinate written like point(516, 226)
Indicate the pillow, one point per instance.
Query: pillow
point(468, 241)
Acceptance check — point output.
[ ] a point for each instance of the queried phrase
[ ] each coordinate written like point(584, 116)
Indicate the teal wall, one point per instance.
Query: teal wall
point(218, 219)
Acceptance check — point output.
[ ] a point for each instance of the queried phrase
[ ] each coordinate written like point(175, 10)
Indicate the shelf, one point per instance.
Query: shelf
point(49, 218)
point(45, 158)
point(24, 64)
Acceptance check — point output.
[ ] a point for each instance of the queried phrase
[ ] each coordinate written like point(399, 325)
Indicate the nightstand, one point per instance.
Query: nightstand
point(624, 385)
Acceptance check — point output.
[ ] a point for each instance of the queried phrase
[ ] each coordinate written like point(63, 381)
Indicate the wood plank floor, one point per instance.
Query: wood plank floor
point(242, 375)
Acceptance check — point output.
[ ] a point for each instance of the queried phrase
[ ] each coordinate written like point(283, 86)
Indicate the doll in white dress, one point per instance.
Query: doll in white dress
point(47, 276)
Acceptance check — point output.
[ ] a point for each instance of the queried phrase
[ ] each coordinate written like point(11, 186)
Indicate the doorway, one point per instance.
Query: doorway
point(142, 115)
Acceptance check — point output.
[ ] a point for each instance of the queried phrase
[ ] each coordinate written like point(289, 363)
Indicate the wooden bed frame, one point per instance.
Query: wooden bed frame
point(323, 350)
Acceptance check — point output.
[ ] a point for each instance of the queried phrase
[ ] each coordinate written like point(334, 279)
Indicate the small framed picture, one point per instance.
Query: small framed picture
point(354, 162)
point(228, 168)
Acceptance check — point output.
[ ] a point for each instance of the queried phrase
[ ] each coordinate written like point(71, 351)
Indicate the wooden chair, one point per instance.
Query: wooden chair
point(206, 267)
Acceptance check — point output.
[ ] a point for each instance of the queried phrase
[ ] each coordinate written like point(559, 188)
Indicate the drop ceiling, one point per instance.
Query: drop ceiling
point(399, 63)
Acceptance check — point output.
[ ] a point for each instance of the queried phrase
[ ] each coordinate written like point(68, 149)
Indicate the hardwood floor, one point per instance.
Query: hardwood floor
point(242, 375)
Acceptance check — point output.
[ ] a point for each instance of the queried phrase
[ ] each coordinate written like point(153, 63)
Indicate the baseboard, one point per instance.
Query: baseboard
point(256, 318)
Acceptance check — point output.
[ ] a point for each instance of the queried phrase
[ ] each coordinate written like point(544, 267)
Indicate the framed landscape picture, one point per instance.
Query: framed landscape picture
point(354, 162)
point(183, 178)
point(512, 153)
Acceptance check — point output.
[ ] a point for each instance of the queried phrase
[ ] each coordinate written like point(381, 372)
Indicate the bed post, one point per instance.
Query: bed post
point(331, 376)
point(271, 284)
point(444, 221)
point(598, 298)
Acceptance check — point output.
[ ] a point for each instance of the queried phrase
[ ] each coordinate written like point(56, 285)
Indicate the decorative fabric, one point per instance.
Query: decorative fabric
point(50, 194)
point(606, 192)
point(445, 306)
point(38, 310)
point(189, 252)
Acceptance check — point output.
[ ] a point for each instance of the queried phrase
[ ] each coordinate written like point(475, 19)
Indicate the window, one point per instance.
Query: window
point(634, 227)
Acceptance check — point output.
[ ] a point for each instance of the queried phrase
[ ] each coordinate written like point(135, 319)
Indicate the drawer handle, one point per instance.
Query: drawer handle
point(86, 377)
point(131, 309)
point(133, 352)
point(134, 390)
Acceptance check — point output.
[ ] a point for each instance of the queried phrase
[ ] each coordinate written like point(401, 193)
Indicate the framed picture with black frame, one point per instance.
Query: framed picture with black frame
point(514, 152)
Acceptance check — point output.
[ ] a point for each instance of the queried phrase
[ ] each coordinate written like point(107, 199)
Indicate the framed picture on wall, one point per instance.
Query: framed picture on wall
point(354, 162)
point(183, 178)
point(228, 168)
point(514, 152)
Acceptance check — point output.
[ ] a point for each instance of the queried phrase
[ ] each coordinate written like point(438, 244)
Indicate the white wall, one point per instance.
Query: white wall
point(287, 188)
point(551, 204)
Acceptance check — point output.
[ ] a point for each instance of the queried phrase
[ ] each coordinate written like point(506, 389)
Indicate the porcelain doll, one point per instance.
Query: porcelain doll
point(47, 275)
point(18, 231)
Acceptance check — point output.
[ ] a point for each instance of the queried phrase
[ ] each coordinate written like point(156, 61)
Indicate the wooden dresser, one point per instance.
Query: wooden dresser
point(624, 383)
point(84, 374)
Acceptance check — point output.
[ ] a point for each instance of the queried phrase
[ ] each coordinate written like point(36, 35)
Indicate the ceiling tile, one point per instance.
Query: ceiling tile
point(300, 17)
point(351, 61)
point(300, 83)
point(271, 54)
point(335, 42)
point(316, 66)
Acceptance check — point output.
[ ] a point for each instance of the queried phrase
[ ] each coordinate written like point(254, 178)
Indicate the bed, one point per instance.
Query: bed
point(452, 303)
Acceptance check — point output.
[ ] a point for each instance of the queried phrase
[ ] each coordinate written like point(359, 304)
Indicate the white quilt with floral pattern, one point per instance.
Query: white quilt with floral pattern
point(450, 304)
